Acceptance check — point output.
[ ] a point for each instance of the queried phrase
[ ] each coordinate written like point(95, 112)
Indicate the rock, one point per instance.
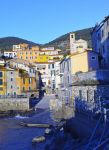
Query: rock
point(48, 131)
point(38, 139)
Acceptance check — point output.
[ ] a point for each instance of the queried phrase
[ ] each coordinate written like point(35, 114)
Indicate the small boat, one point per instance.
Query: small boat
point(38, 139)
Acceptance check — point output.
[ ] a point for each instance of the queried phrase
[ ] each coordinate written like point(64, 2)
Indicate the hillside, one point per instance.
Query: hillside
point(60, 42)
point(7, 42)
point(63, 41)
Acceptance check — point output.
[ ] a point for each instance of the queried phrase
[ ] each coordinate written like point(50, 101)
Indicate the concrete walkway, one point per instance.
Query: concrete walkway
point(44, 103)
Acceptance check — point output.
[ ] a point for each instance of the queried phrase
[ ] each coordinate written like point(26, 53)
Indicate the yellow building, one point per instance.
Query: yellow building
point(84, 61)
point(24, 51)
point(30, 55)
point(56, 57)
point(26, 83)
point(2, 80)
point(42, 58)
point(15, 82)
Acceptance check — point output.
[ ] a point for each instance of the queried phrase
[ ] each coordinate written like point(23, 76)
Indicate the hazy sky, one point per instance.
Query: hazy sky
point(43, 20)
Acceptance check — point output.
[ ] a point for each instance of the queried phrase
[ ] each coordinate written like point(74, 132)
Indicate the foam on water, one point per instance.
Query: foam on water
point(20, 117)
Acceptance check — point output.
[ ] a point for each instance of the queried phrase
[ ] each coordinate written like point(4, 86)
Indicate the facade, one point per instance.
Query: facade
point(24, 46)
point(44, 70)
point(14, 82)
point(2, 62)
point(80, 60)
point(29, 55)
point(42, 58)
point(24, 51)
point(100, 42)
point(55, 77)
point(84, 61)
point(65, 79)
point(76, 45)
point(49, 51)
point(2, 80)
point(22, 64)
point(10, 54)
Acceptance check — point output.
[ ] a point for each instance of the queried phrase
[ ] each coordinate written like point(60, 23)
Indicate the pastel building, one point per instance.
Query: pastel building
point(15, 82)
point(80, 60)
point(100, 42)
point(2, 80)
point(10, 54)
point(76, 45)
point(44, 70)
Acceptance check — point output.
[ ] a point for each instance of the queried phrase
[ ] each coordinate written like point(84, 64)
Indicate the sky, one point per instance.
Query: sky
point(42, 21)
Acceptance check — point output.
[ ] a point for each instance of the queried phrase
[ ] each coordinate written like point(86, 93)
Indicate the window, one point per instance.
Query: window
point(26, 53)
point(52, 65)
point(29, 88)
point(26, 57)
point(87, 95)
point(1, 89)
point(93, 58)
point(11, 87)
point(49, 66)
point(29, 80)
point(1, 74)
point(99, 37)
point(23, 80)
point(1, 82)
point(11, 79)
point(72, 36)
point(108, 35)
point(23, 88)
point(102, 33)
point(80, 94)
point(11, 72)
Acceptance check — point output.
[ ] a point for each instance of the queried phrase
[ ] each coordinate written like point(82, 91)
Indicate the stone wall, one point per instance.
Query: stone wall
point(92, 92)
point(14, 104)
point(84, 96)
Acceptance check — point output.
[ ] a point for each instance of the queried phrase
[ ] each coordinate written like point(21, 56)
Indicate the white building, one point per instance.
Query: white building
point(100, 42)
point(16, 47)
point(65, 77)
point(75, 45)
point(2, 62)
point(23, 64)
point(55, 76)
point(43, 68)
point(10, 54)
